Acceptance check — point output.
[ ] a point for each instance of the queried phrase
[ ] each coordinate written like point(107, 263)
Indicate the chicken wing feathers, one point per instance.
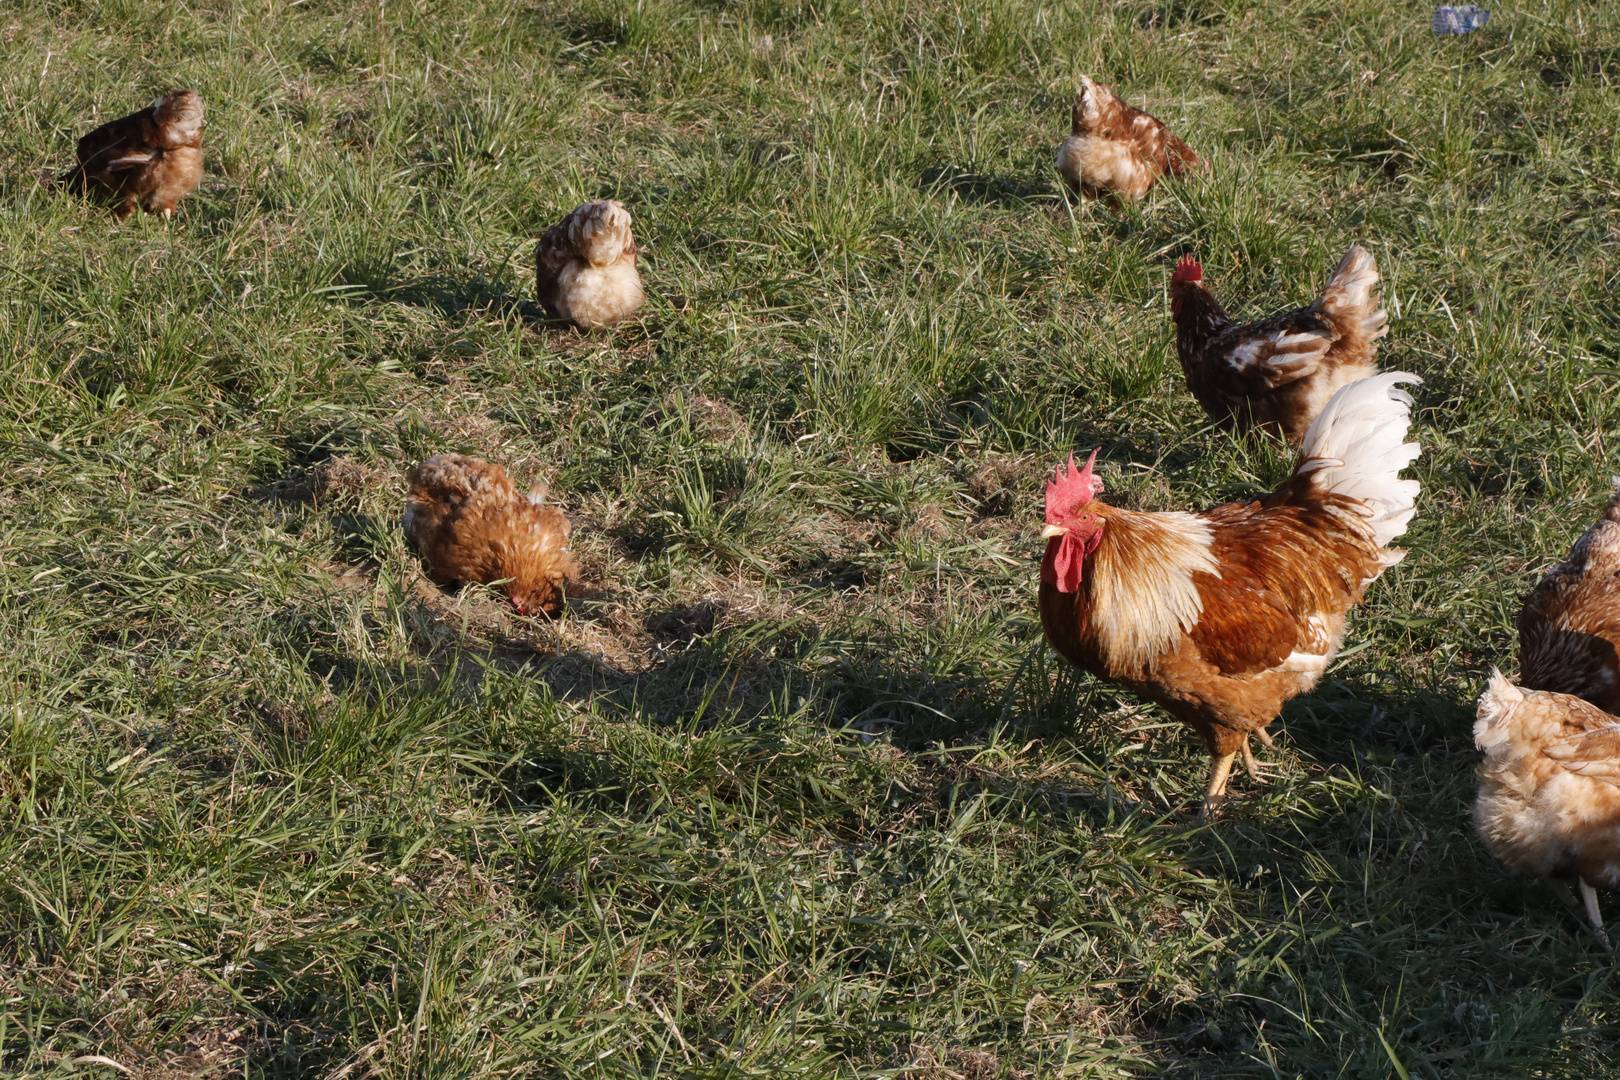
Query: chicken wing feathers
point(1595, 754)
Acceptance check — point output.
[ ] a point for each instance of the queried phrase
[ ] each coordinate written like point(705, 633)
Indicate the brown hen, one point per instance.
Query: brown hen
point(1569, 628)
point(1278, 373)
point(1117, 150)
point(585, 267)
point(470, 524)
point(152, 158)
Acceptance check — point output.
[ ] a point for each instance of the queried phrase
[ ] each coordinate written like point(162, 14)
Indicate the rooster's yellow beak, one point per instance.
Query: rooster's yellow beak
point(1051, 531)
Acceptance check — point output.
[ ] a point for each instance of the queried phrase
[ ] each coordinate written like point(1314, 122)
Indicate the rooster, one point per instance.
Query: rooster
point(470, 524)
point(1569, 628)
point(152, 158)
point(1278, 373)
point(585, 267)
point(1117, 150)
point(1221, 617)
point(1549, 788)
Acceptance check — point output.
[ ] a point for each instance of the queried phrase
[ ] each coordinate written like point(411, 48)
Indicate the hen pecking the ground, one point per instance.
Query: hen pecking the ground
point(1223, 616)
point(1278, 373)
point(585, 267)
point(470, 524)
point(1116, 150)
point(152, 158)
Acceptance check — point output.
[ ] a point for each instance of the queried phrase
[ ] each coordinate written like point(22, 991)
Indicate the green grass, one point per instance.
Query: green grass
point(795, 788)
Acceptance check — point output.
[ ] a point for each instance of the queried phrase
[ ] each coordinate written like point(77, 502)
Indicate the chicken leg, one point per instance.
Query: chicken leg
point(1219, 773)
point(1589, 897)
point(1588, 901)
point(1252, 766)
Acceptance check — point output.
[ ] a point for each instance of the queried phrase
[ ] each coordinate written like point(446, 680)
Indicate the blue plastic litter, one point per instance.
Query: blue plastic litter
point(1460, 19)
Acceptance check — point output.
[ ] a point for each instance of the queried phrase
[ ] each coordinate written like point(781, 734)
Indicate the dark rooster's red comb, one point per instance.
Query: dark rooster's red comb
point(1187, 269)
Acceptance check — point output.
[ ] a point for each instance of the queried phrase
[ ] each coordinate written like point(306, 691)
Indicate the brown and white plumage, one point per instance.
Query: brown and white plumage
point(1549, 787)
point(152, 158)
point(1115, 149)
point(1221, 617)
point(470, 524)
point(1278, 373)
point(585, 266)
point(1569, 628)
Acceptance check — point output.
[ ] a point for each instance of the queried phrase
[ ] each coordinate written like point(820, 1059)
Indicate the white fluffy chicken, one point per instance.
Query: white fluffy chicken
point(1549, 788)
point(585, 267)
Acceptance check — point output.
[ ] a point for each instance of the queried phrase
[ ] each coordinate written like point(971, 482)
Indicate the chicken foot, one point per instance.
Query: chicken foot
point(1220, 771)
point(1252, 766)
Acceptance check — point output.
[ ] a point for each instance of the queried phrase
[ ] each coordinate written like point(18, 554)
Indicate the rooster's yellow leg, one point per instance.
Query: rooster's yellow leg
point(1219, 773)
point(1254, 766)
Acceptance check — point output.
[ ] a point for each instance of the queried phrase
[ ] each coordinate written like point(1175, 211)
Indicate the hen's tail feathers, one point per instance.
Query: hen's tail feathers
point(1496, 706)
point(1357, 448)
point(1087, 108)
point(1352, 293)
point(1611, 512)
point(180, 115)
point(599, 232)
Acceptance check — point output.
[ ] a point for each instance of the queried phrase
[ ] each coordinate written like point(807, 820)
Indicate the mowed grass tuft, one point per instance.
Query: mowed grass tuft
point(794, 788)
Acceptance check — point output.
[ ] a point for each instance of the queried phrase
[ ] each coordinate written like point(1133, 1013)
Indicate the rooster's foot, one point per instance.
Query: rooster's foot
point(1254, 767)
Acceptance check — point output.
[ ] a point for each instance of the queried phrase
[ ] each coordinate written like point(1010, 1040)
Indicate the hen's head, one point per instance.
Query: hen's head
point(1188, 272)
point(1073, 528)
point(540, 598)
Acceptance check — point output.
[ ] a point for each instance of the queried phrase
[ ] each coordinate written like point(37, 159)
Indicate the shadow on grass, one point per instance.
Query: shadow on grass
point(371, 282)
point(983, 189)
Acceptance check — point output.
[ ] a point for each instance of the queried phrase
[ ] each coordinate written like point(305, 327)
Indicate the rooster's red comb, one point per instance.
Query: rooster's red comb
point(1187, 269)
point(1065, 494)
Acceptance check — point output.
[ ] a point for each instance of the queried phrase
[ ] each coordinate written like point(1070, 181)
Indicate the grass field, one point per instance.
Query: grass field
point(795, 787)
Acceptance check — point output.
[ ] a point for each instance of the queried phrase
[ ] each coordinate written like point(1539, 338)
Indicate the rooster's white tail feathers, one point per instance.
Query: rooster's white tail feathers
point(1357, 447)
